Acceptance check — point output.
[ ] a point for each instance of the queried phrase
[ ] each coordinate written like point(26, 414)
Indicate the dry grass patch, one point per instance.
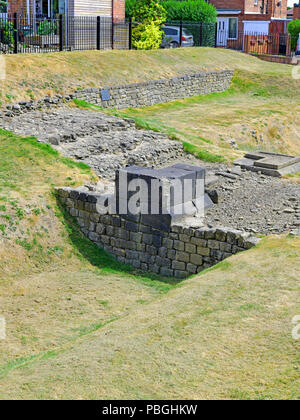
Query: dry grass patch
point(224, 334)
point(31, 76)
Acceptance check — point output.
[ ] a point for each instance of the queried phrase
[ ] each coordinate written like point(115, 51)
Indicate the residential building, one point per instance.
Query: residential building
point(249, 16)
point(51, 8)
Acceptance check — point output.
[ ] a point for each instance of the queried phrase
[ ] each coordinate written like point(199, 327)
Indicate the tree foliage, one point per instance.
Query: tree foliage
point(294, 30)
point(186, 10)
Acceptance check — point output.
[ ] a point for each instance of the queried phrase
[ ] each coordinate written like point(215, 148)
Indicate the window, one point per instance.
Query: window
point(169, 31)
point(233, 28)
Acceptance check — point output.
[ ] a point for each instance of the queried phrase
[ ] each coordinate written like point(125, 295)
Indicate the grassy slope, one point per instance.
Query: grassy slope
point(31, 76)
point(224, 334)
point(55, 285)
point(255, 112)
point(82, 326)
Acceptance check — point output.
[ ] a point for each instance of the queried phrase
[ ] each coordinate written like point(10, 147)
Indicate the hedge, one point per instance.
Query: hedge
point(186, 10)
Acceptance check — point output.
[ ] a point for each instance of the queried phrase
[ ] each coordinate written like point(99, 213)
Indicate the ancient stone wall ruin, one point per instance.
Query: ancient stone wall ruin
point(157, 91)
point(179, 252)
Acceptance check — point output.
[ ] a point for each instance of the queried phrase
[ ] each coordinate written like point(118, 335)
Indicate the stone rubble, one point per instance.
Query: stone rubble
point(247, 201)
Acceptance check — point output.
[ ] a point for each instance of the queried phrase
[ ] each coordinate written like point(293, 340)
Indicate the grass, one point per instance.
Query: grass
point(47, 267)
point(252, 115)
point(81, 325)
point(181, 345)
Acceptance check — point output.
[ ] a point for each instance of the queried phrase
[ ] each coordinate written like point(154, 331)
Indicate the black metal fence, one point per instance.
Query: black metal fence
point(31, 34)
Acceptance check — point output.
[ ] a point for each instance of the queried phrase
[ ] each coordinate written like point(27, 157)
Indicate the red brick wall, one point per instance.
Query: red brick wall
point(228, 4)
point(249, 6)
point(296, 11)
point(118, 9)
point(16, 6)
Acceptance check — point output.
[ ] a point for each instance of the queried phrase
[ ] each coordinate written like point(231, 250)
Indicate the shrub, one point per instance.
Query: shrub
point(294, 30)
point(190, 10)
point(146, 11)
point(47, 28)
point(187, 10)
point(6, 32)
point(150, 15)
point(147, 36)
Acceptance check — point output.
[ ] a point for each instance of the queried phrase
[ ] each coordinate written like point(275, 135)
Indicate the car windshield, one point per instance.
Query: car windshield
point(186, 32)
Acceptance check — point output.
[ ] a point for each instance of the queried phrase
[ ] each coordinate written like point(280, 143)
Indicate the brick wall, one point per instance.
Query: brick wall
point(296, 11)
point(228, 4)
point(251, 10)
point(16, 6)
point(118, 9)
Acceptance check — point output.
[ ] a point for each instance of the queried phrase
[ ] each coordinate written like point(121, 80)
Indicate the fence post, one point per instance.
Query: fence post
point(130, 34)
point(112, 33)
point(98, 32)
point(16, 33)
point(216, 35)
point(200, 39)
point(180, 33)
point(61, 39)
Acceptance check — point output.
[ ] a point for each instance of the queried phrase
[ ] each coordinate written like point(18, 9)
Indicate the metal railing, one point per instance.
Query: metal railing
point(31, 34)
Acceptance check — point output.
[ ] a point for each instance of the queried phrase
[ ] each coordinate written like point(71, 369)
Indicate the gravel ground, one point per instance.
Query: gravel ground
point(247, 201)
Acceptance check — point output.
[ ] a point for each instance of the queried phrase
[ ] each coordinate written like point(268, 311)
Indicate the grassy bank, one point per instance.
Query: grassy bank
point(30, 76)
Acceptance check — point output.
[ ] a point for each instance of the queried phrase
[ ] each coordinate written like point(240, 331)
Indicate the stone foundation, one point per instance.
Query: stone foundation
point(179, 252)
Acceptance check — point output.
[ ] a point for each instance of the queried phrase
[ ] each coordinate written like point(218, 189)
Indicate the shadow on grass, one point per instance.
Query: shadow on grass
point(106, 263)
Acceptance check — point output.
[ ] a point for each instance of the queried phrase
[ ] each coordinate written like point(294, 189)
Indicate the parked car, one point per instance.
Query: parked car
point(172, 37)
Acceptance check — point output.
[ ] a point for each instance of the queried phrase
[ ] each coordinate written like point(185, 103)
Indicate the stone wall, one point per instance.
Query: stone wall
point(180, 252)
point(134, 95)
point(158, 91)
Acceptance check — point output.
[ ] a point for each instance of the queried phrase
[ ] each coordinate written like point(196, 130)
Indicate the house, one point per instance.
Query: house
point(294, 12)
point(236, 17)
point(51, 8)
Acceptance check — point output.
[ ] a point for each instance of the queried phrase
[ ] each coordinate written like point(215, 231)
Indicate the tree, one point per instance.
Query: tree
point(294, 30)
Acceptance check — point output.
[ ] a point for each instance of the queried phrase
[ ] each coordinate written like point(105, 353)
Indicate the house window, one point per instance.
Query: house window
point(233, 28)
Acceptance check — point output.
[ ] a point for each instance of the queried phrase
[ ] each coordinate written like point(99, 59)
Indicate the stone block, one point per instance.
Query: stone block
point(147, 238)
point(180, 274)
point(205, 252)
point(196, 259)
point(168, 243)
point(199, 242)
point(136, 237)
point(182, 256)
point(164, 271)
point(191, 268)
point(178, 245)
point(151, 250)
point(212, 244)
point(191, 248)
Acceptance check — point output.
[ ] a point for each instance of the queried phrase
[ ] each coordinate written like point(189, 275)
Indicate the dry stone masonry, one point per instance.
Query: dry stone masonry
point(178, 251)
point(158, 91)
point(134, 95)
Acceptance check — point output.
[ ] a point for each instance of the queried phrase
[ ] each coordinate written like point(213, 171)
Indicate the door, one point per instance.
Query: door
point(222, 33)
